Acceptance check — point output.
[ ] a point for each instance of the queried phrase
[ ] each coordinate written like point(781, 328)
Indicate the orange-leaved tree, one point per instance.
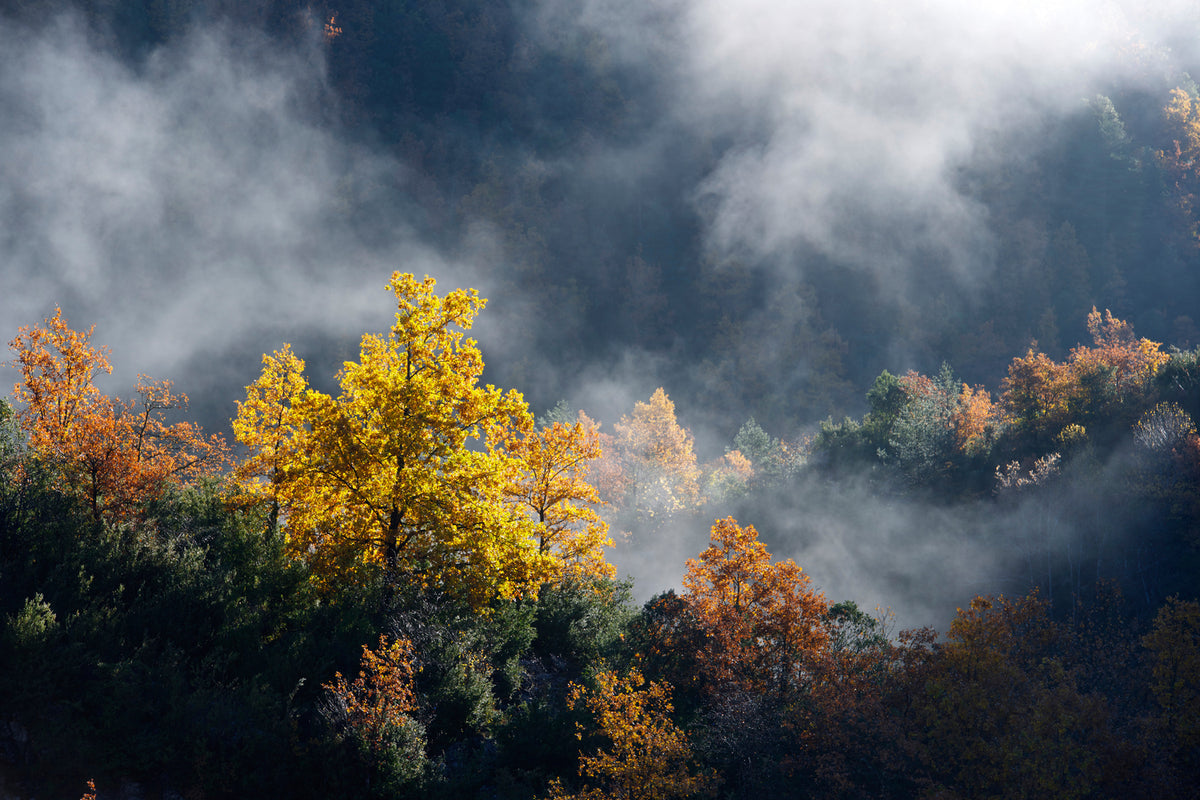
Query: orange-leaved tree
point(649, 758)
point(764, 621)
point(113, 454)
point(376, 714)
point(1126, 362)
point(1042, 397)
point(977, 420)
point(381, 699)
point(405, 470)
point(552, 485)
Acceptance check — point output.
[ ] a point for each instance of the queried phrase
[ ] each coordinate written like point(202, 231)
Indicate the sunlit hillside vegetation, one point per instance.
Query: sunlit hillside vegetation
point(826, 315)
point(404, 591)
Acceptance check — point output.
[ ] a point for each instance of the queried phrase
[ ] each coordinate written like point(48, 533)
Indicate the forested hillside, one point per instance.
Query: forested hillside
point(538, 400)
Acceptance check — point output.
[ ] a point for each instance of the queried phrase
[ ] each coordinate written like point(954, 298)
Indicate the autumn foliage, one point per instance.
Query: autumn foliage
point(657, 458)
point(416, 469)
point(381, 699)
point(647, 757)
point(552, 484)
point(1181, 161)
point(113, 454)
point(416, 499)
point(1043, 396)
point(762, 619)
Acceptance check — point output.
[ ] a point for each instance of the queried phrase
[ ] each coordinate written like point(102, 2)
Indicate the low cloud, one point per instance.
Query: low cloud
point(846, 126)
point(197, 207)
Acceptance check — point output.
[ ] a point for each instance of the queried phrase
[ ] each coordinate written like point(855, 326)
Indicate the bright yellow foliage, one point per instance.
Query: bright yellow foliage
point(552, 486)
point(266, 424)
point(650, 757)
point(405, 470)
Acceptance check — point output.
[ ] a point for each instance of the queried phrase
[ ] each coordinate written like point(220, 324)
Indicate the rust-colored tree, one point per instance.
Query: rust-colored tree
point(114, 455)
point(376, 716)
point(1125, 362)
point(381, 699)
point(1043, 397)
point(763, 620)
point(648, 756)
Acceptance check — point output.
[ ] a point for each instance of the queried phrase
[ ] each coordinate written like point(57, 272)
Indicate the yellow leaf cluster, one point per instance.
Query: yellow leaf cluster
point(650, 758)
point(552, 486)
point(658, 458)
point(417, 470)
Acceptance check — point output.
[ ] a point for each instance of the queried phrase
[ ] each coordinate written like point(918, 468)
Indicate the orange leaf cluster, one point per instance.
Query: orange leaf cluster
point(381, 698)
point(1046, 396)
point(975, 418)
point(113, 454)
point(763, 620)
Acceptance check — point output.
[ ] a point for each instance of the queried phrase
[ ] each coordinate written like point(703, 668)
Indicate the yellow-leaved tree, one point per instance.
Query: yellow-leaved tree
point(552, 486)
point(266, 424)
point(649, 757)
point(405, 469)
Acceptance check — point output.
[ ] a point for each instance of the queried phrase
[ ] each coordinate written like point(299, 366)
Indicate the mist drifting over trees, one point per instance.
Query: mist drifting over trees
point(905, 294)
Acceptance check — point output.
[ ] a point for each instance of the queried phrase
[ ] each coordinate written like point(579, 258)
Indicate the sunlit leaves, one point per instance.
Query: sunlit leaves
point(1043, 396)
point(762, 619)
point(58, 368)
point(404, 470)
point(551, 483)
point(1182, 159)
point(266, 425)
point(113, 454)
point(658, 459)
point(1164, 429)
point(649, 757)
point(381, 699)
